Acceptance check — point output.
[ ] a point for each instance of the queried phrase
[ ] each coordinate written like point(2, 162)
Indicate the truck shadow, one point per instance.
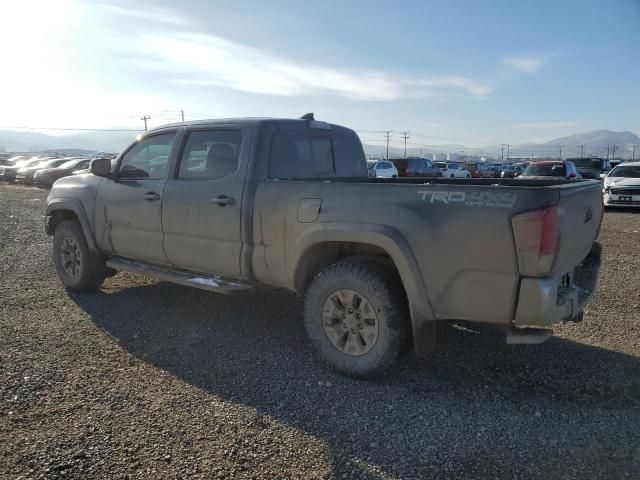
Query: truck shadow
point(251, 349)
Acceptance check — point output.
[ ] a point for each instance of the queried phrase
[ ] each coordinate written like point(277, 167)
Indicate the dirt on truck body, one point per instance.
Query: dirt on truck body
point(225, 205)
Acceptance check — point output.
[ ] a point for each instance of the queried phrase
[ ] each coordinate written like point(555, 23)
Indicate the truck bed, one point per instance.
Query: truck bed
point(458, 231)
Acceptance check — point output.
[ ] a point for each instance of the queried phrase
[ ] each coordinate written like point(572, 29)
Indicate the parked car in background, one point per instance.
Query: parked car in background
point(551, 168)
point(511, 171)
point(415, 167)
point(8, 173)
point(10, 161)
point(452, 170)
point(592, 167)
point(622, 186)
point(46, 176)
point(381, 169)
point(25, 174)
point(479, 170)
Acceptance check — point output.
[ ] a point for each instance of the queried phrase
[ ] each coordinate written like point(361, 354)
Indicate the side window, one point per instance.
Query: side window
point(82, 165)
point(296, 153)
point(149, 159)
point(453, 166)
point(210, 154)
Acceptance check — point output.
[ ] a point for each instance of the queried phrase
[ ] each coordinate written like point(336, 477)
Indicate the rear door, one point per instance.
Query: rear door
point(128, 207)
point(201, 211)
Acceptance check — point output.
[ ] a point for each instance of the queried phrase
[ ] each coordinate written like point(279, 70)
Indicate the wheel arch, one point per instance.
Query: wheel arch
point(59, 210)
point(324, 244)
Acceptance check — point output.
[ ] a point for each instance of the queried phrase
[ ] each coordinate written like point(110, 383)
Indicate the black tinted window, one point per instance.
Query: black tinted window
point(322, 154)
point(149, 158)
point(210, 154)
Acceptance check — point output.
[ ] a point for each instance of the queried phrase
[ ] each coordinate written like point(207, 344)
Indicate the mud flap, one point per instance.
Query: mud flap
point(424, 337)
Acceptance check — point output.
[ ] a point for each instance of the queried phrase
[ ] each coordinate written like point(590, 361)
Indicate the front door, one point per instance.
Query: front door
point(201, 211)
point(128, 208)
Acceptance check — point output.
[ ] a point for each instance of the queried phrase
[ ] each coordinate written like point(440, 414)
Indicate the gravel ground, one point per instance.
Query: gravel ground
point(153, 380)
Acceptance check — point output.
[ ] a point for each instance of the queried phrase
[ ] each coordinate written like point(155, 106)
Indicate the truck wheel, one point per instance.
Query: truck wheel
point(357, 318)
point(78, 267)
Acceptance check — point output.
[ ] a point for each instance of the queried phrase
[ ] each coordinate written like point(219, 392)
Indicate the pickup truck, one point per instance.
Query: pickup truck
point(228, 205)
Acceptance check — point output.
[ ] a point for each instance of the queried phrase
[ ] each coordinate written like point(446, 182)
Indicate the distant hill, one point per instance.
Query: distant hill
point(595, 143)
point(95, 141)
point(104, 141)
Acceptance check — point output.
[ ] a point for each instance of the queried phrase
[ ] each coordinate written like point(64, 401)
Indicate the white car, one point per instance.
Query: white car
point(382, 169)
point(622, 186)
point(452, 170)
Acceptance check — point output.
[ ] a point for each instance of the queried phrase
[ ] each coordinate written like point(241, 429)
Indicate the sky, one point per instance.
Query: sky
point(468, 72)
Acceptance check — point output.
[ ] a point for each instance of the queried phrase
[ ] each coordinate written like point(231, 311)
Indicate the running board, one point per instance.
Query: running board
point(524, 336)
point(212, 283)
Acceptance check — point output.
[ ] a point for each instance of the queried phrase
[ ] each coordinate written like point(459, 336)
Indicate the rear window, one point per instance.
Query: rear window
point(545, 170)
point(304, 153)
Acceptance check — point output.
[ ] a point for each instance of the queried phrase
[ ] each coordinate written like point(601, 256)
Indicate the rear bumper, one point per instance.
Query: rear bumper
point(545, 301)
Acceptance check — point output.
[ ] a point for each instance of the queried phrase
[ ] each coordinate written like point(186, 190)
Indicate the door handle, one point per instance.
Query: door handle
point(223, 200)
point(151, 196)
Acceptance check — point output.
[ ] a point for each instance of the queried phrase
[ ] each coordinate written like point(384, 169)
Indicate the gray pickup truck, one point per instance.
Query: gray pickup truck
point(227, 205)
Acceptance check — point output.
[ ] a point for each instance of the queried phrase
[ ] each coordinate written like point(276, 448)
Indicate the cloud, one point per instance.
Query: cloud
point(525, 64)
point(156, 14)
point(205, 59)
point(544, 125)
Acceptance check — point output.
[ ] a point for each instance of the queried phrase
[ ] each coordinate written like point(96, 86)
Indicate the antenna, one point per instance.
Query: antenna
point(307, 116)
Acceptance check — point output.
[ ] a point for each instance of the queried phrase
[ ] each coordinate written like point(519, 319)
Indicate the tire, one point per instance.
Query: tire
point(468, 176)
point(379, 287)
point(71, 254)
point(452, 176)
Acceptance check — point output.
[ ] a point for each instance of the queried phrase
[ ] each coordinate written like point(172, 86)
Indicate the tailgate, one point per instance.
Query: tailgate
point(580, 208)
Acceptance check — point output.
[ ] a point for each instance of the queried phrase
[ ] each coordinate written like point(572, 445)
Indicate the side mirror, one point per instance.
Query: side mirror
point(101, 167)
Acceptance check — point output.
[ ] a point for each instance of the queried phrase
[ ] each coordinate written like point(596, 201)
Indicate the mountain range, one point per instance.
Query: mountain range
point(595, 143)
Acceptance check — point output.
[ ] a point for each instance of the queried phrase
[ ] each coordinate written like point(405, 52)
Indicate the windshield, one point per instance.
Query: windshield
point(545, 170)
point(593, 163)
point(440, 165)
point(69, 163)
point(627, 171)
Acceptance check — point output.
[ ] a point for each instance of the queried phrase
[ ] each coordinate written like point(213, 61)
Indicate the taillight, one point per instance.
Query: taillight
point(536, 235)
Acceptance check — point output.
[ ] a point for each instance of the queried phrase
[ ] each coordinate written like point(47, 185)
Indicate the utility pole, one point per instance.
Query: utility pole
point(182, 114)
point(387, 135)
point(502, 152)
point(607, 151)
point(405, 135)
point(145, 118)
point(633, 153)
point(560, 148)
point(582, 151)
point(613, 153)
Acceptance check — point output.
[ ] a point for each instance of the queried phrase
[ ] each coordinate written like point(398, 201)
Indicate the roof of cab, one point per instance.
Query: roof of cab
point(245, 121)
